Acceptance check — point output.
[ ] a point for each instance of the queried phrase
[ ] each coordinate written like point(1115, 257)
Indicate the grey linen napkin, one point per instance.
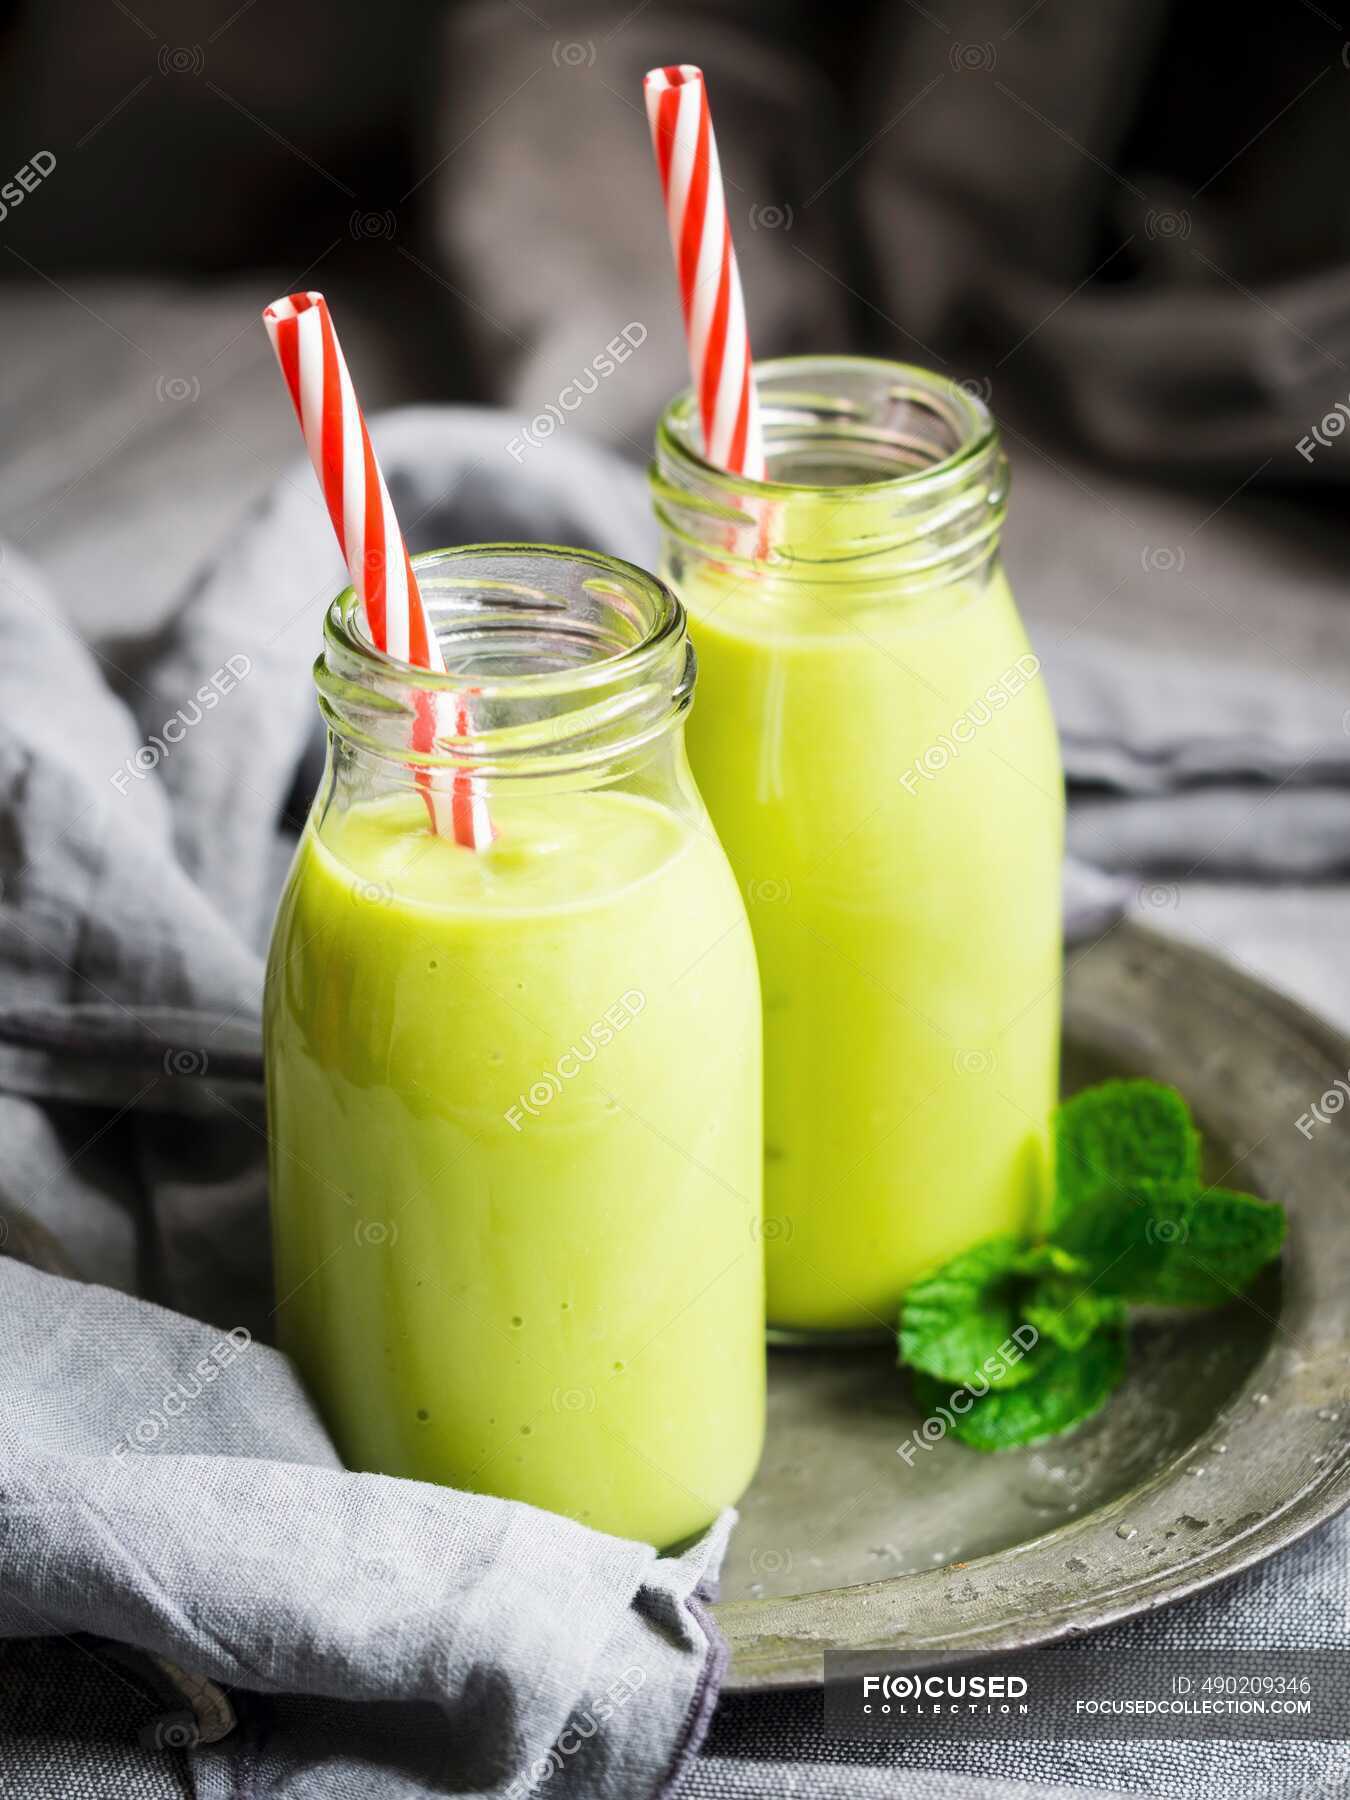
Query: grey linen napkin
point(169, 1485)
point(164, 1481)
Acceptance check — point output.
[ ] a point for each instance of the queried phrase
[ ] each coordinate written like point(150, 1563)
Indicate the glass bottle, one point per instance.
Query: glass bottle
point(878, 756)
point(514, 1092)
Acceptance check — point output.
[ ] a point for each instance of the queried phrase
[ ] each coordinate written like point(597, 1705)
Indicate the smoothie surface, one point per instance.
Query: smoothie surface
point(550, 851)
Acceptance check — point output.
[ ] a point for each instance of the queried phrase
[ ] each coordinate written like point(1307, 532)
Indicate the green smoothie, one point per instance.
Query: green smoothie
point(514, 1099)
point(883, 770)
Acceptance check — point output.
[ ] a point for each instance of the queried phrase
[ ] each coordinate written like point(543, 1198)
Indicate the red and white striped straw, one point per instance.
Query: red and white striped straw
point(301, 331)
point(705, 261)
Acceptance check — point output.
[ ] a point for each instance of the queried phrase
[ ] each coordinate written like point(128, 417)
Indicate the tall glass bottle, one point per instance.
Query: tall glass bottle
point(878, 756)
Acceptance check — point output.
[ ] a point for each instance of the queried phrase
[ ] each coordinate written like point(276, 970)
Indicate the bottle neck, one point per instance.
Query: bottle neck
point(878, 473)
point(561, 668)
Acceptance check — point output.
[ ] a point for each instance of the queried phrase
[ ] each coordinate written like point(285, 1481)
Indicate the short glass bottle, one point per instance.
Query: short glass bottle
point(514, 1093)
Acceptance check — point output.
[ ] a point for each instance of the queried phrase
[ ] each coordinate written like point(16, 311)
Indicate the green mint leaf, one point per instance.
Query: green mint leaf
point(953, 1323)
point(1111, 1136)
point(1214, 1248)
point(1131, 1224)
point(1121, 1233)
point(1050, 1259)
point(1170, 1243)
point(1065, 1388)
point(1060, 1300)
point(1064, 1309)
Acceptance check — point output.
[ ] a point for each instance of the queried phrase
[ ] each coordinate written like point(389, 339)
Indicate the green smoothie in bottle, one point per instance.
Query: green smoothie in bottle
point(877, 753)
point(514, 1093)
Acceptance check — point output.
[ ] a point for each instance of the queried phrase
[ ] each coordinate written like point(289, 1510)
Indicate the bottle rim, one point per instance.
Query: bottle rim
point(930, 497)
point(436, 572)
point(977, 431)
point(616, 668)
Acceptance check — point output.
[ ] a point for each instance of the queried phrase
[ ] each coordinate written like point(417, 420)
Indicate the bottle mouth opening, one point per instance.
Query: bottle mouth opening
point(523, 619)
point(845, 425)
point(559, 656)
point(877, 472)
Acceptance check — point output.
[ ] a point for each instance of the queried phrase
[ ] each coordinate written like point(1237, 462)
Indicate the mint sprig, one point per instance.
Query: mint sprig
point(1067, 1387)
point(954, 1323)
point(1131, 1223)
point(1116, 1133)
point(1173, 1243)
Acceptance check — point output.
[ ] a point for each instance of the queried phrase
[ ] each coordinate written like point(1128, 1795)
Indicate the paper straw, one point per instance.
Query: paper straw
point(301, 331)
point(705, 262)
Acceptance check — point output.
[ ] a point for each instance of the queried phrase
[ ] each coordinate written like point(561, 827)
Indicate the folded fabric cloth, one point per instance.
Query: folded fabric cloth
point(163, 1481)
point(1138, 725)
point(168, 1485)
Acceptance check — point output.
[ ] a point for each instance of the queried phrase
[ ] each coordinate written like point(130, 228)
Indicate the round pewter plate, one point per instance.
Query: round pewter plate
point(1229, 1438)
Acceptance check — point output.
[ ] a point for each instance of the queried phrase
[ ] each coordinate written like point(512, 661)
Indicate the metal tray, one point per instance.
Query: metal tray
point(1229, 1439)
